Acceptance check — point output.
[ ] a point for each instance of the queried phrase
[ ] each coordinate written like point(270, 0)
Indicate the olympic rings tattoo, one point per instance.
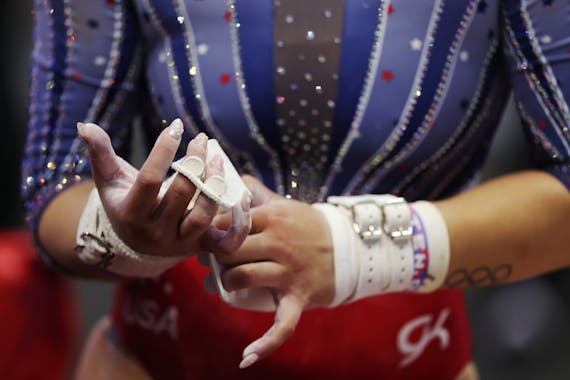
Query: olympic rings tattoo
point(479, 276)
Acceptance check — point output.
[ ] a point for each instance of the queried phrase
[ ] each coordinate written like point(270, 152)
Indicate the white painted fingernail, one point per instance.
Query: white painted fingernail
point(246, 201)
point(176, 129)
point(81, 128)
point(248, 360)
point(250, 350)
point(201, 138)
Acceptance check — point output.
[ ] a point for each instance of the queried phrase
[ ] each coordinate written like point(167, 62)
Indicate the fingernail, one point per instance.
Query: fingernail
point(176, 129)
point(246, 201)
point(250, 350)
point(248, 361)
point(201, 138)
point(81, 129)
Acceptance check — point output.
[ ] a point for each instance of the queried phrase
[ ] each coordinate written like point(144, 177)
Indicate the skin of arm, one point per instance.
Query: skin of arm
point(58, 227)
point(508, 229)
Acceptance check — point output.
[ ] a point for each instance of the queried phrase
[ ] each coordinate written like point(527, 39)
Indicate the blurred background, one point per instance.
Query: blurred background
point(520, 331)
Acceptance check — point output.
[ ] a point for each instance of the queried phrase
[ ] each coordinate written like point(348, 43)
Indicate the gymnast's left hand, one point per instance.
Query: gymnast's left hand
point(289, 251)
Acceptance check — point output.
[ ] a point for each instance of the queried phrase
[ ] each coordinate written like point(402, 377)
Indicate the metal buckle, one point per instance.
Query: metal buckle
point(370, 232)
point(400, 232)
point(96, 244)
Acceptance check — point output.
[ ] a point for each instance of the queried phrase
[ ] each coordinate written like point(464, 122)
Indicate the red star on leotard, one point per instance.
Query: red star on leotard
point(225, 78)
point(387, 75)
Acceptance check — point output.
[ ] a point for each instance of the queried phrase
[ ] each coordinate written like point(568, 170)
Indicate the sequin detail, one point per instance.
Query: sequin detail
point(407, 112)
point(539, 136)
point(306, 89)
point(459, 131)
point(172, 70)
point(255, 133)
point(112, 63)
point(540, 92)
point(433, 111)
point(364, 97)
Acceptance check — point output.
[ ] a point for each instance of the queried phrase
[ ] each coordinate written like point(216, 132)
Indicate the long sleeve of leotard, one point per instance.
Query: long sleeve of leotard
point(537, 49)
point(85, 67)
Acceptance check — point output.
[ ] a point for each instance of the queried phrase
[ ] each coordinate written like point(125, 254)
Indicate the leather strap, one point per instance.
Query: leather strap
point(345, 260)
point(382, 234)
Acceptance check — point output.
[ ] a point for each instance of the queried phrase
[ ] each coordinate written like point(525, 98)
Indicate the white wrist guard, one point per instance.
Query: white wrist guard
point(99, 245)
point(381, 245)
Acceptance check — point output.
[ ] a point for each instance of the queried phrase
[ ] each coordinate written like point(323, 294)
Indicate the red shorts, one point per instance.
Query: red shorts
point(38, 314)
point(178, 331)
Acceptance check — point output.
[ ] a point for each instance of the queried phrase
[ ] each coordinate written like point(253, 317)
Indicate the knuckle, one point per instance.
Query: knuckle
point(128, 220)
point(179, 191)
point(248, 179)
point(287, 251)
point(272, 245)
point(281, 248)
point(148, 180)
point(275, 215)
point(240, 278)
point(240, 231)
point(156, 235)
point(199, 220)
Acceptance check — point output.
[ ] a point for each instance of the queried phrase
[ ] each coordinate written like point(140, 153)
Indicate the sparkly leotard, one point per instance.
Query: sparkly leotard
point(314, 98)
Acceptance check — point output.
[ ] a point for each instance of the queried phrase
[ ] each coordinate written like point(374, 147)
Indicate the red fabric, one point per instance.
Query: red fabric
point(180, 332)
point(38, 314)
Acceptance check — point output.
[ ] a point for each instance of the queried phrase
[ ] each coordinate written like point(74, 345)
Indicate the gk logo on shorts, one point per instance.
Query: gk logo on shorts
point(414, 349)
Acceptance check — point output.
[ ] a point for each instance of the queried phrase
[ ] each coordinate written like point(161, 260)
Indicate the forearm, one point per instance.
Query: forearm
point(507, 229)
point(58, 228)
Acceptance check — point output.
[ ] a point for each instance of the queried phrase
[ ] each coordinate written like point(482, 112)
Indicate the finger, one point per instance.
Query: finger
point(105, 164)
point(200, 217)
point(287, 316)
point(254, 275)
point(254, 248)
point(261, 193)
point(226, 242)
point(142, 196)
point(128, 170)
point(259, 219)
point(174, 202)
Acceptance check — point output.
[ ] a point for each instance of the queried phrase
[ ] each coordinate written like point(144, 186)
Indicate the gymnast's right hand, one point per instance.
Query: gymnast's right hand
point(146, 220)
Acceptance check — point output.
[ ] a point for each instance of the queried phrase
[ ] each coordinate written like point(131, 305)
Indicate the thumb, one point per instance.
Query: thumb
point(104, 162)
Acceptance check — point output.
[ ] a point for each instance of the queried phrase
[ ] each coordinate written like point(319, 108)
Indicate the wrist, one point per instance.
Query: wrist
point(383, 244)
point(345, 260)
point(98, 245)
